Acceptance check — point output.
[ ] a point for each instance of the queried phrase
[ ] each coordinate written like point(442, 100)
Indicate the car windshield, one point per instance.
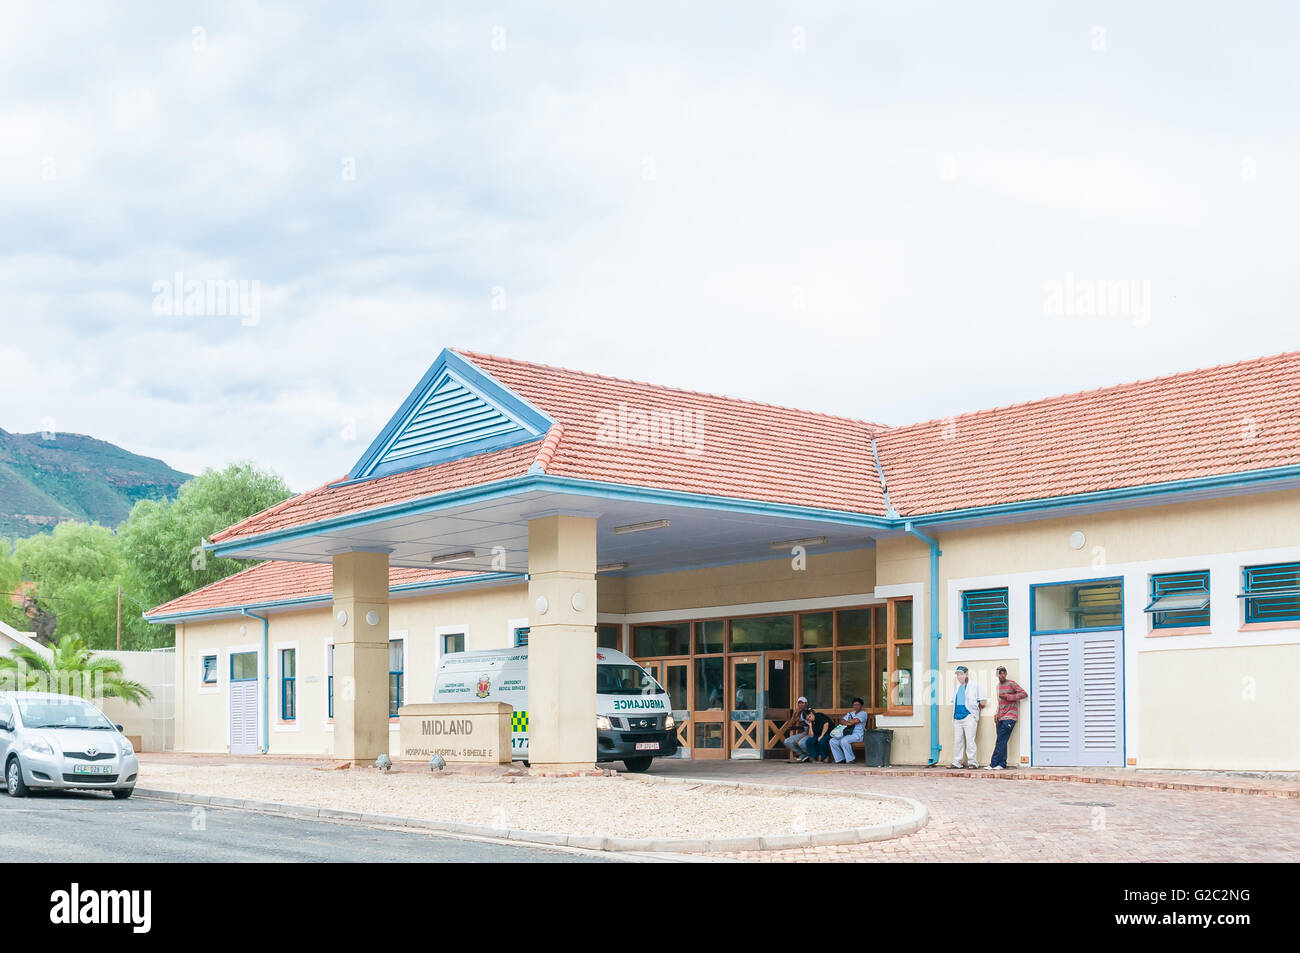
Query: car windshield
point(60, 713)
point(625, 680)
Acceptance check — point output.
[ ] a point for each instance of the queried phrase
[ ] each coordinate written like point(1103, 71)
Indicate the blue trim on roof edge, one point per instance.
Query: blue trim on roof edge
point(515, 485)
point(530, 417)
point(307, 602)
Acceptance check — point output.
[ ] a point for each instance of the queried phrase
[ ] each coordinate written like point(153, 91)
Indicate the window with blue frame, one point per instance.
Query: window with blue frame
point(453, 642)
point(1180, 599)
point(1077, 606)
point(1272, 592)
point(288, 684)
point(396, 664)
point(521, 636)
point(329, 679)
point(984, 614)
point(209, 670)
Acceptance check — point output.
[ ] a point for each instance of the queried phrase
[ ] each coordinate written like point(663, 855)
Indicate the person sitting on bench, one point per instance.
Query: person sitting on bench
point(854, 723)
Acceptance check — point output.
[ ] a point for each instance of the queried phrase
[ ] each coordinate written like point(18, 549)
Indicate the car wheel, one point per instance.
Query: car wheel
point(14, 782)
point(123, 793)
point(637, 765)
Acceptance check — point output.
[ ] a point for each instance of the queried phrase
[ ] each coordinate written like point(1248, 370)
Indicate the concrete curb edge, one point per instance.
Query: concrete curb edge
point(850, 835)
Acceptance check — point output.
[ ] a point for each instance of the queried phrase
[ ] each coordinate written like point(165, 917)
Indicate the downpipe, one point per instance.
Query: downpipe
point(266, 679)
point(935, 636)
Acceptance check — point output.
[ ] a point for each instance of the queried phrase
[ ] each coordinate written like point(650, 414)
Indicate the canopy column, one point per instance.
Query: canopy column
point(360, 656)
point(562, 643)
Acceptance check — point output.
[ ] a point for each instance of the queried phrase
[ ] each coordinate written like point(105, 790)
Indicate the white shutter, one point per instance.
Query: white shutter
point(243, 717)
point(1051, 699)
point(1101, 700)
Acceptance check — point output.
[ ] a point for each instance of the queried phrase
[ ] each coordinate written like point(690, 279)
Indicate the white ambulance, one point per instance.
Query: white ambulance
point(634, 721)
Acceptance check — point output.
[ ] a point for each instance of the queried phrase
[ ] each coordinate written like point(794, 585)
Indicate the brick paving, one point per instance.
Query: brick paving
point(1032, 819)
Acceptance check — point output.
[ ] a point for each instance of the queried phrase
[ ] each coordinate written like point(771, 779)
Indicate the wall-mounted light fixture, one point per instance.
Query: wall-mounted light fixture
point(611, 567)
point(454, 557)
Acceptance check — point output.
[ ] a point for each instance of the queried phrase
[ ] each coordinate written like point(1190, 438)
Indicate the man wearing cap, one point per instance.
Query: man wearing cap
point(1009, 695)
point(966, 704)
point(797, 731)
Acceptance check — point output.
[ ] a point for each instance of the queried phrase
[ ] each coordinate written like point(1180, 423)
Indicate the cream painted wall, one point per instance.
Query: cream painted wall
point(1129, 542)
point(1223, 534)
point(203, 712)
point(1244, 700)
point(773, 580)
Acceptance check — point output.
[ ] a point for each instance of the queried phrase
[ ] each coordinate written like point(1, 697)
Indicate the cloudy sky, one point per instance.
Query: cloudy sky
point(890, 211)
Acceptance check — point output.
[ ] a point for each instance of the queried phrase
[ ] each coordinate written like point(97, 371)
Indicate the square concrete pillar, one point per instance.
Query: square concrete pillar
point(562, 643)
point(360, 656)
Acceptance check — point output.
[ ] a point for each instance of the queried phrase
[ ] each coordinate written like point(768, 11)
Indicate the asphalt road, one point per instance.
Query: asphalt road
point(93, 828)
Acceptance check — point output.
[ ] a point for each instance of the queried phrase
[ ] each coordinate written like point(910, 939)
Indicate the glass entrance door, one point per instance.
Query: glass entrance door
point(778, 700)
point(709, 730)
point(746, 721)
point(675, 676)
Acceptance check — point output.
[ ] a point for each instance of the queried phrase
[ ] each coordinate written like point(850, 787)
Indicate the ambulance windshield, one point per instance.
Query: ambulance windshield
point(625, 680)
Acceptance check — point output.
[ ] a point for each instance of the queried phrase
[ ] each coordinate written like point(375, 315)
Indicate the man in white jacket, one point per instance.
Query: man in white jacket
point(966, 704)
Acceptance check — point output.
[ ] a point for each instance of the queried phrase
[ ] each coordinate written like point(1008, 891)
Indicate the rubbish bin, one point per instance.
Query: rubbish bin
point(875, 747)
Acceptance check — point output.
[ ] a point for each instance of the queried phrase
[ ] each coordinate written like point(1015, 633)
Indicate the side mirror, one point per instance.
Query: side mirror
point(7, 725)
point(119, 728)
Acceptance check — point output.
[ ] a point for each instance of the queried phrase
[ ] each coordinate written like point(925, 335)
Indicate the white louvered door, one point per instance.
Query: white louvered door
point(243, 717)
point(1101, 697)
point(1077, 700)
point(1051, 701)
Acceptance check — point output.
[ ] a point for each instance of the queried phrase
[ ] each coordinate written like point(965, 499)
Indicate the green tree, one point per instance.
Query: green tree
point(11, 577)
point(76, 571)
point(70, 669)
point(161, 540)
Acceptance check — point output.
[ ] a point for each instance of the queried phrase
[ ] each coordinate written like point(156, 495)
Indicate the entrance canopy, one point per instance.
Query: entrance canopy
point(673, 479)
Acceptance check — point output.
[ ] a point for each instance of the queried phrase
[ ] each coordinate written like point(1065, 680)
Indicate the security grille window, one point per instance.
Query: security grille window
point(396, 663)
point(209, 670)
point(453, 642)
point(288, 684)
point(1272, 593)
point(521, 636)
point(1180, 599)
point(984, 614)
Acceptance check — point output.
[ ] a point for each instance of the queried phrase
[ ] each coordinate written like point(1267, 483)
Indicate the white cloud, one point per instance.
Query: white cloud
point(672, 193)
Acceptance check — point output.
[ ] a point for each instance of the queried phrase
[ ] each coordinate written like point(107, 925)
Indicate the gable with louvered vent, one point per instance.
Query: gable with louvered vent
point(456, 411)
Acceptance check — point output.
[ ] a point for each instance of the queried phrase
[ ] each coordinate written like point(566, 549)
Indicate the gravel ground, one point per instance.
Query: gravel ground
point(619, 806)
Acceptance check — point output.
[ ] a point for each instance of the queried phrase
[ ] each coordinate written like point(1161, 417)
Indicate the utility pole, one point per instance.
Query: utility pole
point(119, 618)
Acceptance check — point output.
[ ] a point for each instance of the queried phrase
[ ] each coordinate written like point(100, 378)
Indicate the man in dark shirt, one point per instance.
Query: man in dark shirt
point(818, 745)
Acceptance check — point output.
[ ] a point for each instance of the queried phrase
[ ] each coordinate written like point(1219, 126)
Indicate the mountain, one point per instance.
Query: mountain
point(46, 479)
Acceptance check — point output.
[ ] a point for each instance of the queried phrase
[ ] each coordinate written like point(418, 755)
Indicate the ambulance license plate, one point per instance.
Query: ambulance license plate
point(647, 746)
point(92, 769)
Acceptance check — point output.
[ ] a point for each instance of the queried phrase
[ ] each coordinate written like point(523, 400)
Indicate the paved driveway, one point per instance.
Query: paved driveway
point(1004, 820)
point(94, 828)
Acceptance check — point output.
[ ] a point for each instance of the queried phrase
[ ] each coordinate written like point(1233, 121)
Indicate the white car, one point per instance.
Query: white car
point(62, 742)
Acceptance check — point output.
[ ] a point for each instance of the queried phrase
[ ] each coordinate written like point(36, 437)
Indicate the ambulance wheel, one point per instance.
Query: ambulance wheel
point(637, 765)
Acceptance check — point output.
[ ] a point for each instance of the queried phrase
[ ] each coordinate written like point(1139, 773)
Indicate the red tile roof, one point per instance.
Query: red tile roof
point(1229, 419)
point(724, 447)
point(275, 580)
point(1234, 418)
point(340, 498)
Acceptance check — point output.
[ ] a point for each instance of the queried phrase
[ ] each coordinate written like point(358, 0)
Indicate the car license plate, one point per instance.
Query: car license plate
point(92, 769)
point(647, 746)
